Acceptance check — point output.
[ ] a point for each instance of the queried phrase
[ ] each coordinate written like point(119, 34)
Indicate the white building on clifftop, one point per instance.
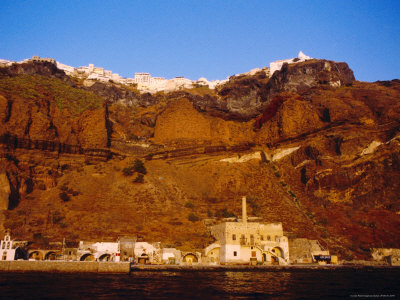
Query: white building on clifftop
point(277, 65)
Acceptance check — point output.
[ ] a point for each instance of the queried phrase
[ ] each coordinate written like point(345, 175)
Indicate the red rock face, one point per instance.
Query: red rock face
point(328, 164)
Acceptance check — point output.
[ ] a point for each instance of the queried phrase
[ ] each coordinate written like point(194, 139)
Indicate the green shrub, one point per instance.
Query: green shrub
point(189, 204)
point(193, 217)
point(139, 178)
point(224, 213)
point(277, 174)
point(139, 167)
point(64, 196)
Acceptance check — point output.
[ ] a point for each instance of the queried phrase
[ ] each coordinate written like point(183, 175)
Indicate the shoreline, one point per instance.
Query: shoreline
point(127, 268)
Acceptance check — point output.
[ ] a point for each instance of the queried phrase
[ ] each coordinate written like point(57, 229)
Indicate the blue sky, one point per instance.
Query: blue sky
point(205, 38)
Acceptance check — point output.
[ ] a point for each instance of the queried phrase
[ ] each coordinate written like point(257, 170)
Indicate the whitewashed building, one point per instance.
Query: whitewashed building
point(246, 242)
point(99, 251)
point(277, 65)
point(10, 249)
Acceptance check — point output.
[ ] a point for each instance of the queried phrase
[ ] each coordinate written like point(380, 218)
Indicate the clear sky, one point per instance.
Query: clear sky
point(204, 38)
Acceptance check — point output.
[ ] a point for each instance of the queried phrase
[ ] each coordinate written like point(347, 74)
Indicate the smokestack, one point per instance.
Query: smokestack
point(244, 210)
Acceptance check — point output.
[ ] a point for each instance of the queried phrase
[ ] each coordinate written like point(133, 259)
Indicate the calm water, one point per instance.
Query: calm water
point(292, 284)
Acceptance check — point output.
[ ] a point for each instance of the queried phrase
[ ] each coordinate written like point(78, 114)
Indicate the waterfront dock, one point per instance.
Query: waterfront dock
point(65, 266)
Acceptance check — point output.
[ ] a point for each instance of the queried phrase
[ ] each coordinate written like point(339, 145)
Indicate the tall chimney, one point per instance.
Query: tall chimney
point(244, 210)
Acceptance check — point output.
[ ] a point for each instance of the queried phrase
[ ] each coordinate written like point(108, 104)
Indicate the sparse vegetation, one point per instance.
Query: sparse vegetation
point(35, 87)
point(189, 204)
point(224, 213)
point(137, 166)
point(56, 217)
point(253, 203)
point(64, 196)
point(193, 217)
point(139, 178)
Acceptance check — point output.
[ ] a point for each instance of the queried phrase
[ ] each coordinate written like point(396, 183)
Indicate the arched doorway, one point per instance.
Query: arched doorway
point(264, 257)
point(50, 255)
point(105, 257)
point(87, 257)
point(36, 255)
point(19, 253)
point(277, 251)
point(190, 258)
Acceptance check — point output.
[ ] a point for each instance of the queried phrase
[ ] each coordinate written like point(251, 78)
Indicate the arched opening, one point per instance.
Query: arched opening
point(264, 257)
point(87, 257)
point(274, 260)
point(190, 258)
point(277, 253)
point(36, 255)
point(50, 256)
point(4, 257)
point(19, 253)
point(105, 257)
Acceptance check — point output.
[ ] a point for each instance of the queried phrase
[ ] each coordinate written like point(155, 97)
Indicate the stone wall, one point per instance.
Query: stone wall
point(64, 266)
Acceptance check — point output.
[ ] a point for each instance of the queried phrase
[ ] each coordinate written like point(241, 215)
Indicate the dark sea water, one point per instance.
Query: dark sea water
point(263, 284)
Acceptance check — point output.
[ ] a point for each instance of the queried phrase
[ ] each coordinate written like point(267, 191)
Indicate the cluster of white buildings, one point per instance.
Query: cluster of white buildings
point(237, 242)
point(144, 81)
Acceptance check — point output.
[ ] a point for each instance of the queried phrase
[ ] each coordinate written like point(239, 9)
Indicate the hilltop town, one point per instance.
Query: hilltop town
point(144, 82)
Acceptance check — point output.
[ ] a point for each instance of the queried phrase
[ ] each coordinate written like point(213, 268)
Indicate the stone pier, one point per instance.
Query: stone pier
point(64, 266)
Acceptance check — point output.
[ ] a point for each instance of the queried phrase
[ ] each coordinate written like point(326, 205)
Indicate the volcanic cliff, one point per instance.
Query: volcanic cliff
point(310, 146)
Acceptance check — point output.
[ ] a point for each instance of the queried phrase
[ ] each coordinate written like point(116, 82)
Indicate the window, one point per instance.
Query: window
point(233, 237)
point(261, 237)
point(234, 253)
point(268, 238)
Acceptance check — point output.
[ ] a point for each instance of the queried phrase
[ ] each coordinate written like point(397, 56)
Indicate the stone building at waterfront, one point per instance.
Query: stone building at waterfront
point(245, 242)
